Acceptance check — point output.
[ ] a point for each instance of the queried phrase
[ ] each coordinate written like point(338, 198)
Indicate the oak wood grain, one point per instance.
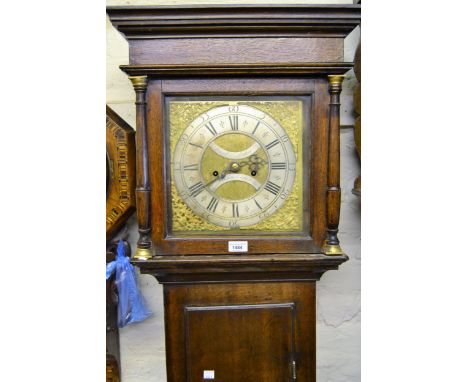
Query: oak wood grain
point(235, 50)
point(319, 147)
point(333, 173)
point(278, 70)
point(143, 190)
point(156, 162)
point(153, 22)
point(225, 298)
point(239, 268)
point(261, 350)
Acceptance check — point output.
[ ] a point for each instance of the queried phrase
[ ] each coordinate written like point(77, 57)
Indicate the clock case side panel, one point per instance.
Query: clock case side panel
point(159, 174)
point(319, 163)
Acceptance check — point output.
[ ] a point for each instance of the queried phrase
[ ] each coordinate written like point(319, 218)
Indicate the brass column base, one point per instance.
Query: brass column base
point(142, 254)
point(332, 249)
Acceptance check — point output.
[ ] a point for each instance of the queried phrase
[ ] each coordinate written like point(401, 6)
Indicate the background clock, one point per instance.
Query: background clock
point(120, 172)
point(120, 204)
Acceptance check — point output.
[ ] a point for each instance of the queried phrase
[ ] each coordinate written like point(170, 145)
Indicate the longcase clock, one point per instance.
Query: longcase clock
point(238, 184)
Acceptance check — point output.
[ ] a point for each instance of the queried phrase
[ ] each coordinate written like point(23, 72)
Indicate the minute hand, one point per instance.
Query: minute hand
point(211, 181)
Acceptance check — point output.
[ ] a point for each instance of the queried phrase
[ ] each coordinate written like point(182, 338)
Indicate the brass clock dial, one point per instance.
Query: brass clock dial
point(234, 166)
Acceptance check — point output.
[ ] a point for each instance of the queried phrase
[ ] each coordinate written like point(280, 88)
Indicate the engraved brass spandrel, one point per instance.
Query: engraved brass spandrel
point(289, 114)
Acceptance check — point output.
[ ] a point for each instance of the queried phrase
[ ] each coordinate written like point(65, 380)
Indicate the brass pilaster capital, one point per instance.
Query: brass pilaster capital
point(335, 81)
point(140, 83)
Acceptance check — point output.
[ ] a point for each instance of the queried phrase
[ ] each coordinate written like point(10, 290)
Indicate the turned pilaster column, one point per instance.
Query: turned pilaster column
point(142, 192)
point(332, 244)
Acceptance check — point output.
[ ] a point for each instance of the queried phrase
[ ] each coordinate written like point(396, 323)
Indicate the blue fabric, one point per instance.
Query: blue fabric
point(131, 307)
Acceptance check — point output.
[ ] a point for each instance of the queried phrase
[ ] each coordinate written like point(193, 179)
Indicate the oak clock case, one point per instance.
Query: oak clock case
point(237, 120)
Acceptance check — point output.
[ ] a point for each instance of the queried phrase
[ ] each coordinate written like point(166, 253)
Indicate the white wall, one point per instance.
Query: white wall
point(338, 293)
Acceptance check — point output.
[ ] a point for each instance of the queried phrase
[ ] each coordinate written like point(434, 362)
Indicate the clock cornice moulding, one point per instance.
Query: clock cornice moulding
point(288, 69)
point(150, 22)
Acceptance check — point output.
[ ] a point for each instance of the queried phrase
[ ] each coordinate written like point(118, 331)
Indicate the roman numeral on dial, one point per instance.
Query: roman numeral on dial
point(272, 187)
point(211, 128)
point(196, 145)
point(191, 167)
point(255, 128)
point(278, 166)
point(258, 205)
point(235, 210)
point(272, 144)
point(234, 121)
point(212, 205)
point(196, 189)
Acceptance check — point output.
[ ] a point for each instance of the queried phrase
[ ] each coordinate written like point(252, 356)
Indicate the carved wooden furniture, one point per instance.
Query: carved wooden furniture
point(120, 172)
point(120, 204)
point(238, 243)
